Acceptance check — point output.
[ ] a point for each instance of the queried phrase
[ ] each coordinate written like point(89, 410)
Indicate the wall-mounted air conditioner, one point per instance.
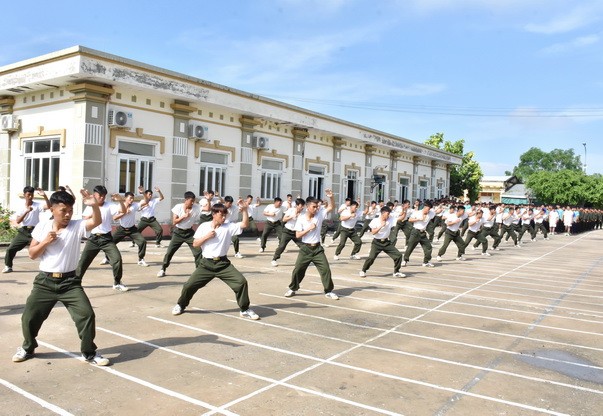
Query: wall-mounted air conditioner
point(9, 122)
point(260, 142)
point(120, 118)
point(198, 131)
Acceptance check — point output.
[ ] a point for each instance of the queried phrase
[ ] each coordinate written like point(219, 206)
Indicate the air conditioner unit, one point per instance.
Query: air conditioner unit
point(198, 131)
point(120, 118)
point(9, 122)
point(260, 142)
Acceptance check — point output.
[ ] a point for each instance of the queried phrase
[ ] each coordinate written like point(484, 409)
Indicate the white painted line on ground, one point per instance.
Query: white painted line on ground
point(41, 402)
point(481, 316)
point(406, 295)
point(408, 354)
point(140, 381)
point(331, 361)
point(417, 319)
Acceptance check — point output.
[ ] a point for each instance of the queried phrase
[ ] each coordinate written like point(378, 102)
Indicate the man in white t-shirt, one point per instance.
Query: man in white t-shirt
point(27, 218)
point(213, 239)
point(453, 222)
point(420, 220)
point(290, 218)
point(348, 219)
point(273, 214)
point(147, 213)
point(100, 238)
point(381, 227)
point(57, 244)
point(184, 216)
point(307, 228)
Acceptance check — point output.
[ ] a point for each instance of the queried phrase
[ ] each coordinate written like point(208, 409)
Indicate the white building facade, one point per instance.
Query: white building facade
point(82, 117)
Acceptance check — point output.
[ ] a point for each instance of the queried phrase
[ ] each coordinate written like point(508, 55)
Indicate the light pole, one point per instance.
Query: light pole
point(584, 144)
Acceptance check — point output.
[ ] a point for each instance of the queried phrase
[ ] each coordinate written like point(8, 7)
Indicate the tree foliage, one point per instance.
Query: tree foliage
point(464, 177)
point(536, 160)
point(567, 187)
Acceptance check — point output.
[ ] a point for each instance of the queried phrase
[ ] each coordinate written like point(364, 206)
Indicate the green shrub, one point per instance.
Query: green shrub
point(7, 232)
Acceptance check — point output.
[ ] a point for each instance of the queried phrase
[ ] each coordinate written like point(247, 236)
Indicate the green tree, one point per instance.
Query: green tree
point(537, 160)
point(468, 174)
point(567, 187)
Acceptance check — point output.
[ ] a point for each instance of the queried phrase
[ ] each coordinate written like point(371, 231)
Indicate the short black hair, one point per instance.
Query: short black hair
point(300, 201)
point(127, 194)
point(61, 197)
point(228, 198)
point(428, 204)
point(386, 209)
point(189, 195)
point(100, 189)
point(278, 199)
point(219, 207)
point(28, 189)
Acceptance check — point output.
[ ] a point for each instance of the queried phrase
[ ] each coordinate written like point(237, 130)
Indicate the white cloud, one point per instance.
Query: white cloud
point(574, 44)
point(568, 20)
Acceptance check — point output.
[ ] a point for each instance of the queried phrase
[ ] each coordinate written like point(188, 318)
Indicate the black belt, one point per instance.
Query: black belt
point(102, 234)
point(312, 244)
point(28, 228)
point(349, 229)
point(382, 240)
point(58, 275)
point(216, 259)
point(148, 218)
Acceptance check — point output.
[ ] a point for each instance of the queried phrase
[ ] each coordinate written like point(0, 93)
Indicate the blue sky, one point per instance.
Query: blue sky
point(504, 75)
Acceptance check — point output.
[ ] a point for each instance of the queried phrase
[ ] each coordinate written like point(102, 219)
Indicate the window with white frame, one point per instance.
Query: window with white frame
point(42, 163)
point(403, 184)
point(440, 190)
point(316, 180)
point(351, 185)
point(213, 172)
point(423, 189)
point(136, 165)
point(272, 174)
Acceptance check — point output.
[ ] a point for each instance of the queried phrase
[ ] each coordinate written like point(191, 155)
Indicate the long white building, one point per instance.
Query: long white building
point(83, 117)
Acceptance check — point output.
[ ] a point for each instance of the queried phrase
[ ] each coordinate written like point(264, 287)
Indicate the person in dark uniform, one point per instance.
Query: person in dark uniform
point(307, 228)
point(57, 244)
point(213, 239)
point(27, 218)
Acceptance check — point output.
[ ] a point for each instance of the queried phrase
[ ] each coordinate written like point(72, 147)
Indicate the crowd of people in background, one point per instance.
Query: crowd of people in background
point(209, 227)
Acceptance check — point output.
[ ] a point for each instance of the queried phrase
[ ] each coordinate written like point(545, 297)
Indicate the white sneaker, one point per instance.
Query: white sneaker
point(97, 360)
point(158, 245)
point(161, 273)
point(259, 240)
point(104, 261)
point(486, 254)
point(290, 293)
point(121, 287)
point(335, 257)
point(142, 263)
point(331, 295)
point(398, 274)
point(273, 263)
point(533, 239)
point(439, 258)
point(21, 355)
point(238, 255)
point(517, 246)
point(355, 257)
point(249, 313)
point(428, 264)
point(177, 310)
point(461, 258)
point(362, 274)
point(473, 248)
point(404, 263)
point(7, 269)
point(496, 249)
point(261, 250)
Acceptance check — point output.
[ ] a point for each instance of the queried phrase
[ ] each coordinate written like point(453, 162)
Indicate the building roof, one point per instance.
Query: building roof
point(79, 64)
point(517, 191)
